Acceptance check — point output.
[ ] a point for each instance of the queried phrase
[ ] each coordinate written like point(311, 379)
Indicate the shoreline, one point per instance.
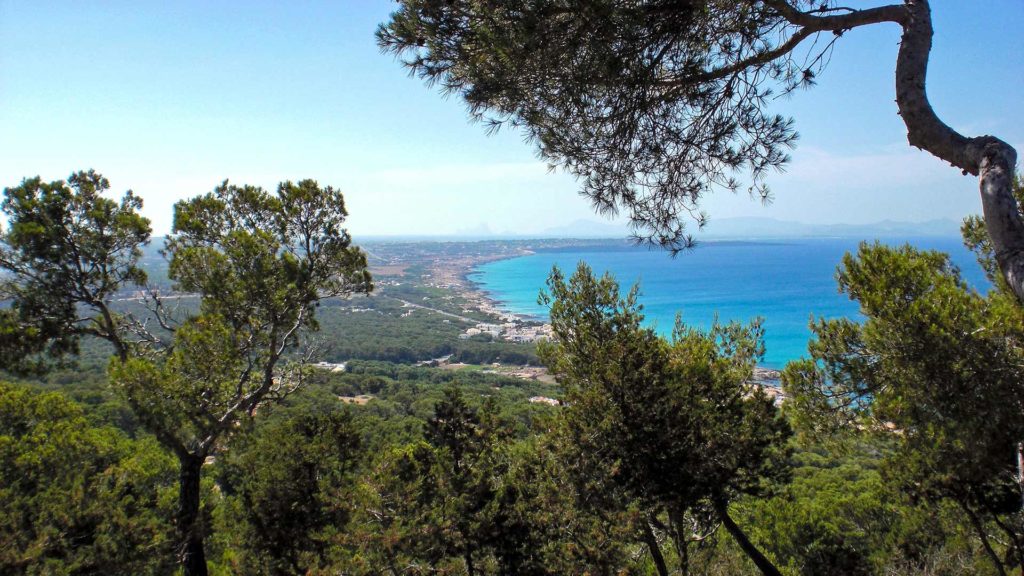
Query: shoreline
point(450, 267)
point(494, 304)
point(482, 299)
point(767, 377)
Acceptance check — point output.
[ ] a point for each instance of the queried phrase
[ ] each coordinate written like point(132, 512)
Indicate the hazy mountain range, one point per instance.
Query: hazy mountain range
point(751, 228)
point(718, 229)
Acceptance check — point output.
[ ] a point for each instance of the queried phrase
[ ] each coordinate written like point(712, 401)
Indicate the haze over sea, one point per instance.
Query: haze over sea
point(782, 281)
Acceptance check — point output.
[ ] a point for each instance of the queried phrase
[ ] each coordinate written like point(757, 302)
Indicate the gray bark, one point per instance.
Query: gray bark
point(987, 157)
point(1020, 471)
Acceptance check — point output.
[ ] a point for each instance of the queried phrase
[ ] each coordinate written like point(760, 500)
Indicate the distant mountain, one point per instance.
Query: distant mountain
point(752, 228)
point(742, 228)
point(586, 229)
point(716, 229)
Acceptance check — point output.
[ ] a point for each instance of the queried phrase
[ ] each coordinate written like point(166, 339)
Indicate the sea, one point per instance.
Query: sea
point(785, 282)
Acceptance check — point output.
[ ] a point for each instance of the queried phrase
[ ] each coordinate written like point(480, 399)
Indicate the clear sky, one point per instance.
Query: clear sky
point(170, 98)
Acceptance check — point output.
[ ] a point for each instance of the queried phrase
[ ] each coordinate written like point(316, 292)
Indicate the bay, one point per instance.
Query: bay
point(785, 282)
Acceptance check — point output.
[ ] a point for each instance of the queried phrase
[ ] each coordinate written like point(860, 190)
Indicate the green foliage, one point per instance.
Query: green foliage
point(404, 397)
point(261, 259)
point(184, 399)
point(839, 516)
point(651, 104)
point(381, 331)
point(463, 441)
point(395, 528)
point(657, 445)
point(670, 425)
point(67, 250)
point(446, 487)
point(545, 526)
point(260, 264)
point(77, 499)
point(289, 485)
point(935, 368)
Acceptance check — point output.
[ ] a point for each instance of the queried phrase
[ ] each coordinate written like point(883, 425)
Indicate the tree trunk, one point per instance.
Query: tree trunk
point(1002, 215)
point(987, 157)
point(682, 544)
point(979, 528)
point(190, 529)
point(1020, 472)
point(652, 545)
point(1018, 548)
point(760, 560)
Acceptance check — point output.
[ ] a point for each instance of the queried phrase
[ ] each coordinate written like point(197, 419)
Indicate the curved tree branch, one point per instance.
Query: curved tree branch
point(759, 59)
point(652, 105)
point(838, 22)
point(808, 25)
point(985, 156)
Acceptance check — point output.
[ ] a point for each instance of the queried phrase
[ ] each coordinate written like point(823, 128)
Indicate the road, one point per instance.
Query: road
point(441, 312)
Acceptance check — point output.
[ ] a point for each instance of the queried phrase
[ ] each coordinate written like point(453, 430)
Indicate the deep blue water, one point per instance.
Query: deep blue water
point(784, 281)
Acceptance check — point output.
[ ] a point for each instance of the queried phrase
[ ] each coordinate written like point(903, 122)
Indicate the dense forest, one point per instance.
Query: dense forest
point(243, 396)
point(203, 440)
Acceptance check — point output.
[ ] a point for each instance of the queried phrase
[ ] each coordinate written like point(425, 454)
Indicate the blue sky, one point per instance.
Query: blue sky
point(170, 98)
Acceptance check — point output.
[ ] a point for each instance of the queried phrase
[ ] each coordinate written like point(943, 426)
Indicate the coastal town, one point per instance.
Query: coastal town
point(432, 281)
point(446, 266)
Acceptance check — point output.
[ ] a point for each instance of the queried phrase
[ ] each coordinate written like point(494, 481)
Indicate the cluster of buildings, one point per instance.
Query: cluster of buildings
point(510, 331)
point(330, 366)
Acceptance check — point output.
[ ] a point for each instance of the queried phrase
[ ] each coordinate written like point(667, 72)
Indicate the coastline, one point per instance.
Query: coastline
point(488, 300)
point(495, 306)
point(482, 299)
point(449, 265)
point(450, 268)
point(767, 378)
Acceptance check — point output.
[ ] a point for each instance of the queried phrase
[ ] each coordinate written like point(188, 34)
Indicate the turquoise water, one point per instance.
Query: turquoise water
point(785, 282)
